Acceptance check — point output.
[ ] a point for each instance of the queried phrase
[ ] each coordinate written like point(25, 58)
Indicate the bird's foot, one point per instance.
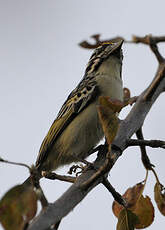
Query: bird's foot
point(74, 168)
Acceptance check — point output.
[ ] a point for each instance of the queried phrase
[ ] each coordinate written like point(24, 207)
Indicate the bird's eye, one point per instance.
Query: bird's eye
point(89, 88)
point(79, 95)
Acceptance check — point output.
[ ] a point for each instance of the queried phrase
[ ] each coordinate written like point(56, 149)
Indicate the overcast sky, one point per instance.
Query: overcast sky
point(40, 63)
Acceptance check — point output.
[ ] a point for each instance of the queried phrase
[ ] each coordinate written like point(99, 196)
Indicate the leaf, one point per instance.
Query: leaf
point(114, 104)
point(116, 208)
point(138, 204)
point(18, 207)
point(126, 94)
point(107, 110)
point(127, 220)
point(131, 196)
point(159, 195)
point(145, 211)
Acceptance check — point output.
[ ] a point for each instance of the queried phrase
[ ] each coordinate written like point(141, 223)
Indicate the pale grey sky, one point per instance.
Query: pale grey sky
point(40, 63)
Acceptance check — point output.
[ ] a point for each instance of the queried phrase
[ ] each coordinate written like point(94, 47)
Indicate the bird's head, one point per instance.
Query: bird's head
point(102, 53)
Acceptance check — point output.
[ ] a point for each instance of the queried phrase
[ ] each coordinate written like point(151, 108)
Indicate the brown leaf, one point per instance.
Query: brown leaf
point(107, 114)
point(131, 196)
point(145, 211)
point(139, 205)
point(17, 207)
point(159, 195)
point(126, 94)
point(127, 220)
point(113, 104)
point(116, 208)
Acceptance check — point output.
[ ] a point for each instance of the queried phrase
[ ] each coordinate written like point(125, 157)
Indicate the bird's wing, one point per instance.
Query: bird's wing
point(75, 103)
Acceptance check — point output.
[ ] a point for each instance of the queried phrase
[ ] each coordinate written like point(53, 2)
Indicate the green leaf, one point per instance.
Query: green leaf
point(159, 195)
point(18, 207)
point(127, 220)
point(145, 211)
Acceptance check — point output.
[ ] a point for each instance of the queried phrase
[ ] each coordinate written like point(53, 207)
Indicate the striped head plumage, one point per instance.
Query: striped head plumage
point(103, 52)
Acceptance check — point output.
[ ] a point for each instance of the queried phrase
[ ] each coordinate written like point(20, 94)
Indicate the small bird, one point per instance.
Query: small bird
point(77, 129)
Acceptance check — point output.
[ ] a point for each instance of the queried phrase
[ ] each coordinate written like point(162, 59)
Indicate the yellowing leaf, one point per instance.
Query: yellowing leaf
point(114, 104)
point(117, 208)
point(139, 205)
point(126, 94)
point(127, 220)
point(107, 113)
point(131, 196)
point(145, 211)
point(159, 195)
point(17, 207)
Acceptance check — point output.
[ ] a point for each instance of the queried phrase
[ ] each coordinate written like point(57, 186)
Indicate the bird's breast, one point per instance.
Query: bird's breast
point(109, 79)
point(110, 86)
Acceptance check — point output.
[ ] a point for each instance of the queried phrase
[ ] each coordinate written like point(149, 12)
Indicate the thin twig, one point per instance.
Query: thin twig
point(145, 180)
point(145, 159)
point(157, 179)
point(115, 194)
point(85, 44)
point(155, 50)
point(152, 42)
point(14, 163)
point(160, 75)
point(54, 176)
point(157, 39)
point(150, 143)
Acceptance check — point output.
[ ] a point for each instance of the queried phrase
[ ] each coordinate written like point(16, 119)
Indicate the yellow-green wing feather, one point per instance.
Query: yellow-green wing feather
point(74, 104)
point(56, 128)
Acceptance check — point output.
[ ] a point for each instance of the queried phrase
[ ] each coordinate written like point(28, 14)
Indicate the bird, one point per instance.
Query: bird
point(77, 128)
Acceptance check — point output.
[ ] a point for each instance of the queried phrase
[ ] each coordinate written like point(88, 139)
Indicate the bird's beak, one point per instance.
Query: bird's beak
point(117, 44)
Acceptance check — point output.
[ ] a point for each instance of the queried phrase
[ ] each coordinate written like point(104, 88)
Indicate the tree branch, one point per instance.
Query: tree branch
point(144, 40)
point(144, 157)
point(115, 194)
point(61, 207)
point(15, 163)
point(155, 83)
point(150, 143)
point(54, 176)
point(96, 37)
